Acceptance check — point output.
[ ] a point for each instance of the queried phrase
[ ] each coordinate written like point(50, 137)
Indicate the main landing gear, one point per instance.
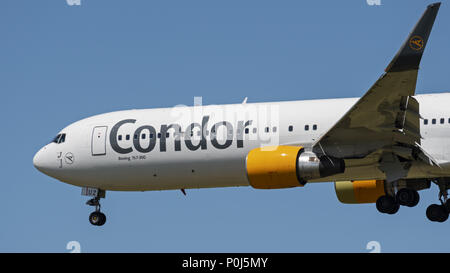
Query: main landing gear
point(409, 197)
point(96, 218)
point(439, 213)
point(390, 203)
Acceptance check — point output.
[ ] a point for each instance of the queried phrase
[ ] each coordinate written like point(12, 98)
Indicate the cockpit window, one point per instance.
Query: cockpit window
point(60, 138)
point(56, 138)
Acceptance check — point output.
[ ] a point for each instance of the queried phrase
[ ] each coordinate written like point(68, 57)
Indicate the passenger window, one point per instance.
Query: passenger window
point(159, 135)
point(135, 136)
point(314, 127)
point(127, 137)
point(255, 130)
point(247, 130)
point(167, 134)
point(120, 137)
point(433, 121)
point(442, 121)
point(143, 136)
point(267, 129)
point(274, 129)
point(291, 128)
point(425, 121)
point(306, 127)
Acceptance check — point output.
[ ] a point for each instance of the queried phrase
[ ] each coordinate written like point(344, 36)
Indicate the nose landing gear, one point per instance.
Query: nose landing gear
point(96, 218)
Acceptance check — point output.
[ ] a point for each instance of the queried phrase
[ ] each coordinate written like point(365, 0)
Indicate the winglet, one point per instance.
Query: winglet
point(410, 54)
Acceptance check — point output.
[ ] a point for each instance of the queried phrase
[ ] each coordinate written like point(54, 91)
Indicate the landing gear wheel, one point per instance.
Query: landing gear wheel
point(416, 199)
point(97, 218)
point(404, 196)
point(102, 218)
point(437, 213)
point(394, 209)
point(387, 204)
point(407, 197)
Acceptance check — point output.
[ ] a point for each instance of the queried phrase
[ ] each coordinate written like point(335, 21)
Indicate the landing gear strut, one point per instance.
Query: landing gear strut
point(96, 218)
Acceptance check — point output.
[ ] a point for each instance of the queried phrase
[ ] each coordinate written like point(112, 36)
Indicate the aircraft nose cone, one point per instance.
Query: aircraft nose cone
point(39, 160)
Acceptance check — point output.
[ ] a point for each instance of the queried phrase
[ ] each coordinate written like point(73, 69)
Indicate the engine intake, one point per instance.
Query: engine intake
point(277, 167)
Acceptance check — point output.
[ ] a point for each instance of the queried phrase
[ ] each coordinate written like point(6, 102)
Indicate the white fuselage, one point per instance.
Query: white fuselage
point(101, 153)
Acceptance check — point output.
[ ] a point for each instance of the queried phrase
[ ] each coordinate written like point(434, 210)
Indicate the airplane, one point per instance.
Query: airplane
point(382, 148)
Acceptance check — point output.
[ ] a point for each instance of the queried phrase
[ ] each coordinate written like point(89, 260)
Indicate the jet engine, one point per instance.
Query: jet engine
point(359, 192)
point(277, 167)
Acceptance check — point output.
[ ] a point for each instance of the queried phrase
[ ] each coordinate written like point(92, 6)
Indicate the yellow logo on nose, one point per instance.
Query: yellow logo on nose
point(416, 43)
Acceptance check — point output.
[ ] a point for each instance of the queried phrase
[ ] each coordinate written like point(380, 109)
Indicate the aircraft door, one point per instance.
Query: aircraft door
point(98, 144)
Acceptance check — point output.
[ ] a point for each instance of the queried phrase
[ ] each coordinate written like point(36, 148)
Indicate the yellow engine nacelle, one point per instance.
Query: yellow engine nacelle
point(273, 167)
point(278, 167)
point(359, 192)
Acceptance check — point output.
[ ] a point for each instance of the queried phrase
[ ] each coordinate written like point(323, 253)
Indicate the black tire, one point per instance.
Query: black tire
point(394, 209)
point(437, 213)
point(102, 219)
point(386, 204)
point(444, 215)
point(96, 218)
point(405, 197)
point(416, 199)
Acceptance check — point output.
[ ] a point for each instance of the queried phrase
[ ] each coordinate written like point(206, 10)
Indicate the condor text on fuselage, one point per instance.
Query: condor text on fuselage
point(149, 133)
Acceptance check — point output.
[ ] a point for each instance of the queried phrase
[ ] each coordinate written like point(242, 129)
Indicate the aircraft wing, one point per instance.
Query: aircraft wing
point(387, 117)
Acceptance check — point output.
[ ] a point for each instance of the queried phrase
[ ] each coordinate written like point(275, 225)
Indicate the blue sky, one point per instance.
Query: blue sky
point(62, 63)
